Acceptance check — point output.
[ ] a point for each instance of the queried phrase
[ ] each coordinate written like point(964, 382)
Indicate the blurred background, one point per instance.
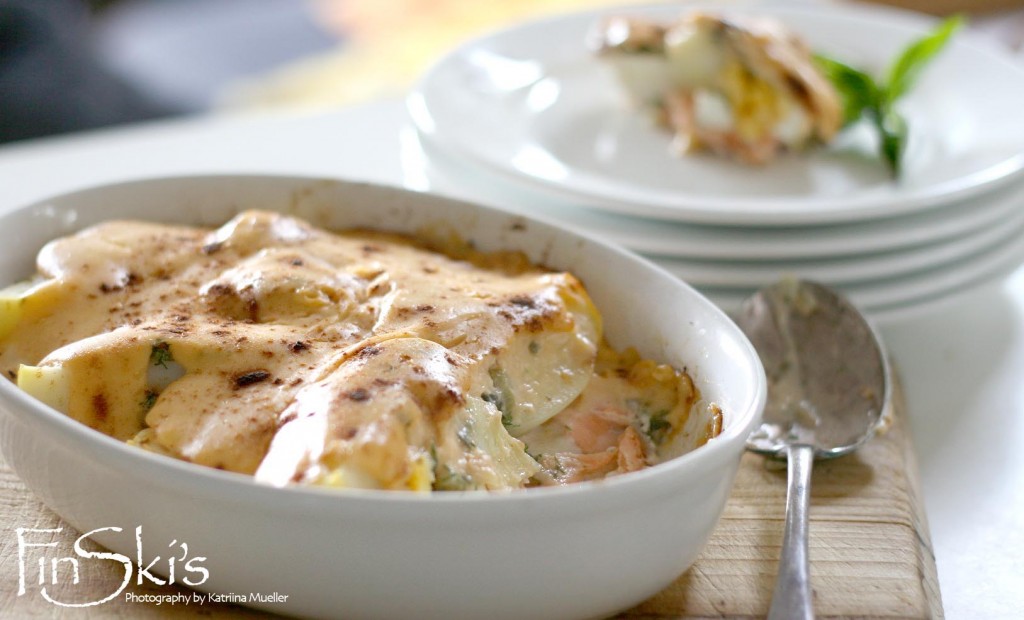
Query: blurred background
point(71, 65)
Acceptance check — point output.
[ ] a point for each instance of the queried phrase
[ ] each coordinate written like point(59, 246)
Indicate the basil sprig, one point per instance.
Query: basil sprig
point(862, 96)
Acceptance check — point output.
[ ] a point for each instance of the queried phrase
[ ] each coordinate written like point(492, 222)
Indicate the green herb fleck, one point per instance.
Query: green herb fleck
point(655, 425)
point(658, 426)
point(451, 480)
point(534, 347)
point(161, 354)
point(501, 397)
point(494, 398)
point(149, 400)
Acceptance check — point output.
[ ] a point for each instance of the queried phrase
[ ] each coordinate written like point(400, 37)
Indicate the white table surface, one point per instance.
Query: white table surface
point(962, 363)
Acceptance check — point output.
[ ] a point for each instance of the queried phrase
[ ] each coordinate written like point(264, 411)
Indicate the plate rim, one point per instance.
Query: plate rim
point(913, 262)
point(907, 292)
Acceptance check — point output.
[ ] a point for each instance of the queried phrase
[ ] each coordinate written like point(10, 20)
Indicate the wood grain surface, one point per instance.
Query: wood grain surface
point(869, 548)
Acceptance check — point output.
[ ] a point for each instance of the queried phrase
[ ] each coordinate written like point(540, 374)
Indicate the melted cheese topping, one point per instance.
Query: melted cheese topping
point(360, 359)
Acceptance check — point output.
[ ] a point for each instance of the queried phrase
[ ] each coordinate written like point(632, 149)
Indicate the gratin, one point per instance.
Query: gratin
point(355, 359)
point(741, 87)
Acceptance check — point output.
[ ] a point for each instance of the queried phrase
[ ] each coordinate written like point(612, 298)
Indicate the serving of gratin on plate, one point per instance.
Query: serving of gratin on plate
point(748, 88)
point(360, 359)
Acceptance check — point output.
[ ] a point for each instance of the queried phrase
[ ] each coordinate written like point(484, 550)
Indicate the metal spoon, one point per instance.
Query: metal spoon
point(828, 386)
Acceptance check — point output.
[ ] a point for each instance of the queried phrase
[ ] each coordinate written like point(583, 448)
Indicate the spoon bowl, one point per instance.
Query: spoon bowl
point(828, 377)
point(828, 388)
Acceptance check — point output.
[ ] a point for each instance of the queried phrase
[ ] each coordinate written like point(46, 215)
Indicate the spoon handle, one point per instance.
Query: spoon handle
point(792, 596)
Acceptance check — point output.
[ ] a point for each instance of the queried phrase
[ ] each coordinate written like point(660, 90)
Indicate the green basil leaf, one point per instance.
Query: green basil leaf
point(909, 64)
point(856, 89)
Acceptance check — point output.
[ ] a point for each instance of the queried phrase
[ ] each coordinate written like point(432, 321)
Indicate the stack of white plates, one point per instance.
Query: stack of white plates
point(527, 118)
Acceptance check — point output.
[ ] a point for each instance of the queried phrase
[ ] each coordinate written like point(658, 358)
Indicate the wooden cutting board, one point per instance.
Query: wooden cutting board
point(869, 547)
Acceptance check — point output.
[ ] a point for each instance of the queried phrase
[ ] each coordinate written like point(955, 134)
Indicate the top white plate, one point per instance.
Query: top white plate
point(532, 103)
